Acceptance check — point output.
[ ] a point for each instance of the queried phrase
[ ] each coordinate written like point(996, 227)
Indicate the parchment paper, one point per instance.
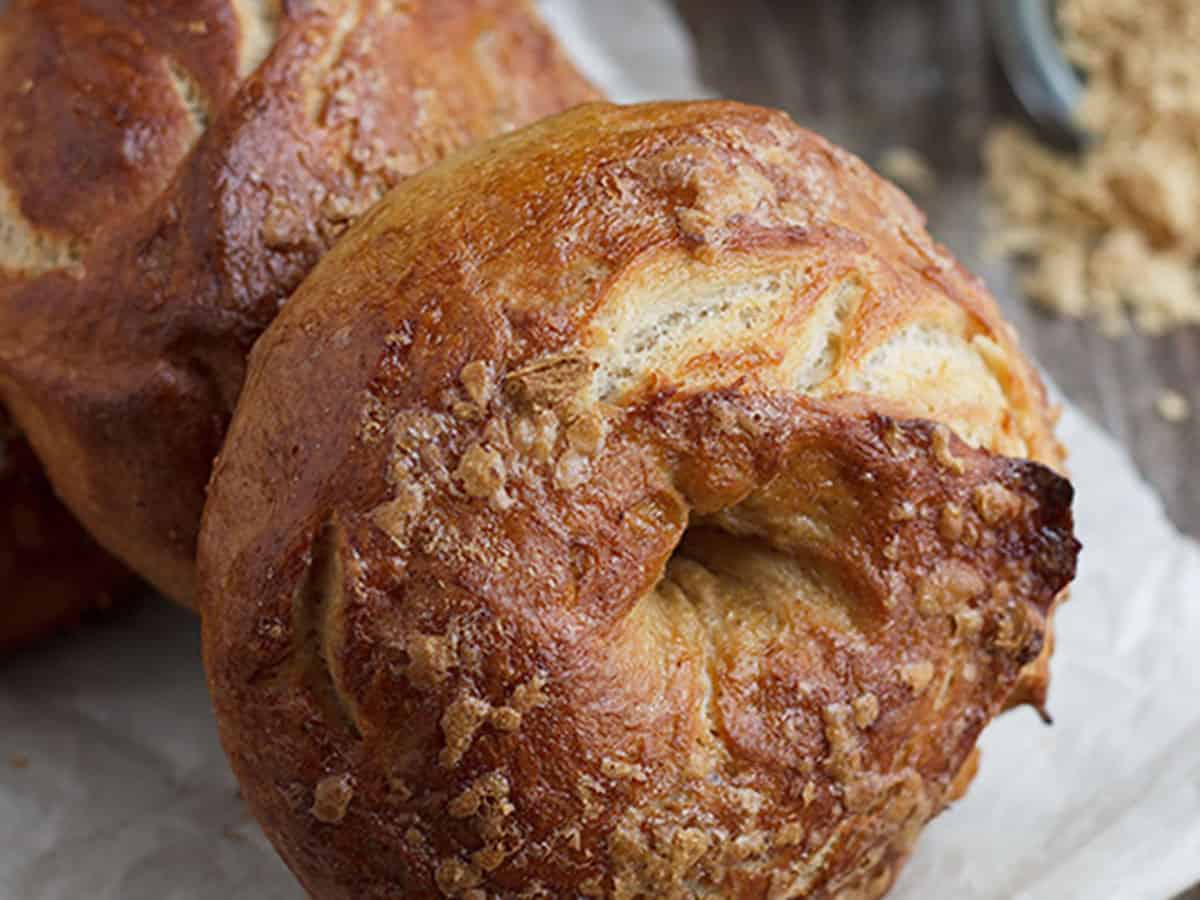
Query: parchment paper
point(112, 784)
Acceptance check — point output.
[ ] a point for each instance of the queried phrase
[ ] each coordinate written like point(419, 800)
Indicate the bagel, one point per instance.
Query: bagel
point(638, 505)
point(253, 132)
point(93, 126)
point(51, 572)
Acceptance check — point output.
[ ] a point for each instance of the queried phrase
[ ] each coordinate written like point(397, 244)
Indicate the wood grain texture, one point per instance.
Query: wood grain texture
point(877, 74)
point(874, 74)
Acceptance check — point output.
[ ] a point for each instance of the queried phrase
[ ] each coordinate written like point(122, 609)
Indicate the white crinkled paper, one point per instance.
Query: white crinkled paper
point(112, 783)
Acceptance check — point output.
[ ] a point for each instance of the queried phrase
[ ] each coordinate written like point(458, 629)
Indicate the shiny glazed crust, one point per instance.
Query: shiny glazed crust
point(637, 505)
point(257, 132)
point(91, 129)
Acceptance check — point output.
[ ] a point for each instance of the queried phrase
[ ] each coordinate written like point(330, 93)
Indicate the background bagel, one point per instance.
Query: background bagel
point(52, 573)
point(637, 505)
point(238, 138)
point(95, 120)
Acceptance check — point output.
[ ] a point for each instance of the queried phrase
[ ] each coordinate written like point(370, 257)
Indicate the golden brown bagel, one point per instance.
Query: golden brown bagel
point(123, 366)
point(92, 127)
point(637, 505)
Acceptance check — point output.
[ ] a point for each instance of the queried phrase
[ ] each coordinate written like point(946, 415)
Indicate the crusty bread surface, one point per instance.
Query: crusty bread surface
point(639, 505)
point(91, 128)
point(239, 138)
point(51, 573)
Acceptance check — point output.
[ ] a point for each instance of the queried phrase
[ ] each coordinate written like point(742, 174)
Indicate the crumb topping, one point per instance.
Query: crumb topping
point(476, 381)
point(332, 797)
point(460, 722)
point(917, 675)
point(996, 503)
point(430, 659)
point(866, 710)
point(942, 451)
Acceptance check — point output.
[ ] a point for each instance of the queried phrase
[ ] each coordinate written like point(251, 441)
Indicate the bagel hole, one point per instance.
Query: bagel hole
point(759, 577)
point(730, 598)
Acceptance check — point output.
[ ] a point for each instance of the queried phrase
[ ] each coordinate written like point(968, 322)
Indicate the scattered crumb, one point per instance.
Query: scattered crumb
point(845, 761)
point(917, 675)
point(1173, 406)
point(1012, 629)
point(283, 225)
point(790, 835)
point(586, 434)
point(477, 382)
point(394, 515)
point(495, 433)
point(465, 804)
point(943, 453)
point(505, 718)
point(747, 846)
point(454, 877)
point(810, 793)
point(332, 798)
point(749, 800)
point(489, 858)
point(530, 695)
point(907, 168)
point(996, 503)
point(891, 550)
point(950, 522)
point(866, 710)
point(929, 595)
point(536, 435)
point(481, 471)
point(1113, 233)
point(968, 622)
point(618, 768)
point(430, 659)
point(571, 471)
point(466, 411)
point(340, 208)
point(460, 721)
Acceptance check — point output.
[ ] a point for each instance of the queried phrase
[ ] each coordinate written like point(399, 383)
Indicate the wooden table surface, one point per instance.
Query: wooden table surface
point(877, 74)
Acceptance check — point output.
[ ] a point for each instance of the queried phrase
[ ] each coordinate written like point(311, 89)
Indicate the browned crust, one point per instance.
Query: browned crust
point(52, 573)
point(470, 631)
point(92, 129)
point(94, 125)
point(124, 370)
